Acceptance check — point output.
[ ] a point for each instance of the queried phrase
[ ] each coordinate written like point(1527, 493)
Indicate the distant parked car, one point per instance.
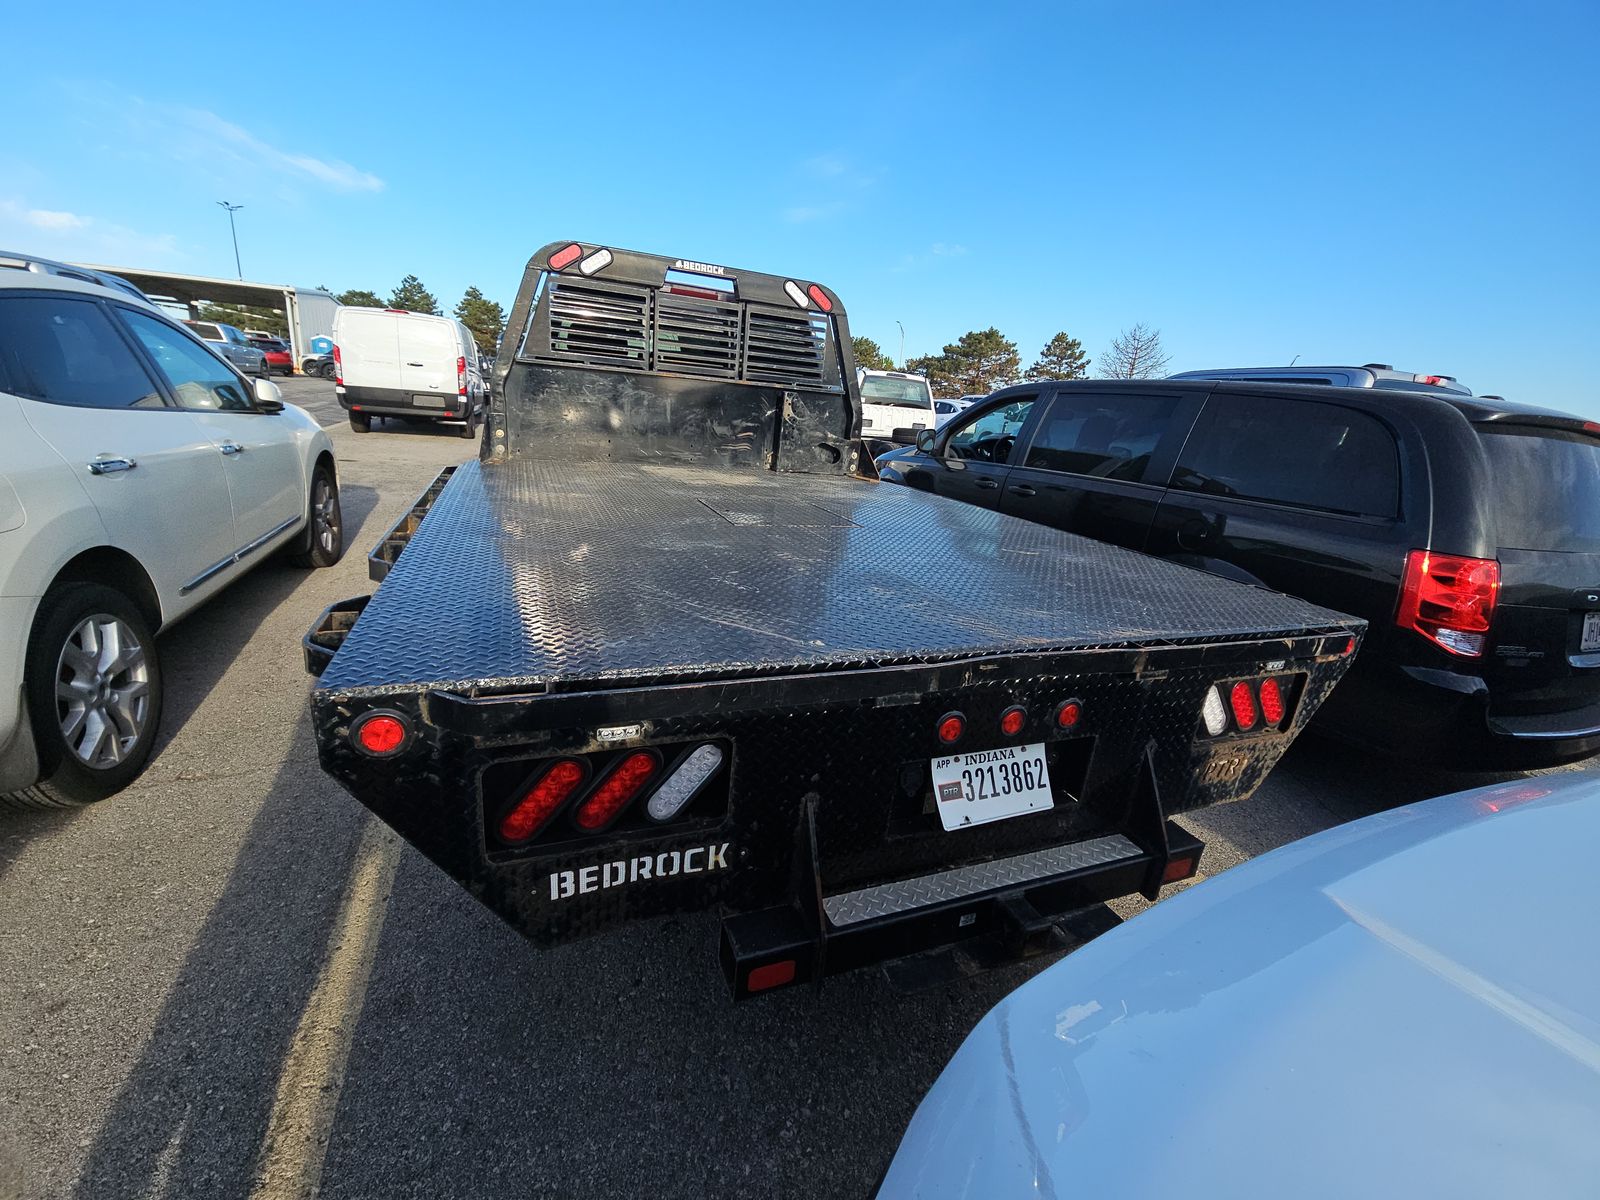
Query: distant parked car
point(945, 409)
point(1400, 1006)
point(1371, 375)
point(320, 365)
point(1465, 531)
point(279, 356)
point(413, 366)
point(140, 473)
point(233, 346)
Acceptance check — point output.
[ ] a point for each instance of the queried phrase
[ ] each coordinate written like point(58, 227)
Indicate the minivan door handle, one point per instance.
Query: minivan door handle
point(1023, 489)
point(989, 484)
point(105, 465)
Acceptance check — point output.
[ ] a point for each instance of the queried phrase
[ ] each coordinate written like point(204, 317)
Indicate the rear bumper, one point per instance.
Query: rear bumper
point(394, 402)
point(1454, 719)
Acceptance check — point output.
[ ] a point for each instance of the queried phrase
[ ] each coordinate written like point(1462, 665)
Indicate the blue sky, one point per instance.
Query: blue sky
point(1407, 183)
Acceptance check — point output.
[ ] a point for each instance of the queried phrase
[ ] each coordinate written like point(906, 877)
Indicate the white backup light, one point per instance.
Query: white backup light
point(1214, 713)
point(680, 787)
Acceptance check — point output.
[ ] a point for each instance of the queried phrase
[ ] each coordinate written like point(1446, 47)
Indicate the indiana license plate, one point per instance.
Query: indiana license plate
point(1591, 633)
point(990, 785)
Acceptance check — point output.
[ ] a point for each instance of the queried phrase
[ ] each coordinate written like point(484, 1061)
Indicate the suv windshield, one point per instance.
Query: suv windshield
point(1549, 489)
point(902, 393)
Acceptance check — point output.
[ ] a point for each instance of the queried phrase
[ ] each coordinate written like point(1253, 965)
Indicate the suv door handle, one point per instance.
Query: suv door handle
point(991, 484)
point(231, 448)
point(105, 465)
point(1023, 489)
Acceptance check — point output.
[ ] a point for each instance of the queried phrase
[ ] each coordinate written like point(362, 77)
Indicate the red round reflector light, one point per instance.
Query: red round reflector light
point(1069, 714)
point(1013, 719)
point(1271, 701)
point(951, 727)
point(380, 734)
point(565, 257)
point(1244, 705)
point(821, 297)
point(543, 800)
point(621, 784)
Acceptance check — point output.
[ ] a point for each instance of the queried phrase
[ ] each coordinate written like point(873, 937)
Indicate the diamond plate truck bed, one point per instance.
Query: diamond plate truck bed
point(683, 593)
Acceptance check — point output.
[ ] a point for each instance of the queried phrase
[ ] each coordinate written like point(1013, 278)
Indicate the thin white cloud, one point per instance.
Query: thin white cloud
point(54, 233)
point(237, 142)
point(938, 250)
point(45, 218)
point(833, 175)
point(803, 213)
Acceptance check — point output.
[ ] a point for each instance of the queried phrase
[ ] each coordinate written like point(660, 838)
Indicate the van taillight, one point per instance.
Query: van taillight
point(1449, 599)
point(461, 375)
point(338, 367)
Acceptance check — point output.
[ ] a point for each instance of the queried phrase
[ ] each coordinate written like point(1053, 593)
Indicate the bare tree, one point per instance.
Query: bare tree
point(1135, 354)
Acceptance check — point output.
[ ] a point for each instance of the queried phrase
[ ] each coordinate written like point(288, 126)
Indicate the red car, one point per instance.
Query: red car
point(277, 351)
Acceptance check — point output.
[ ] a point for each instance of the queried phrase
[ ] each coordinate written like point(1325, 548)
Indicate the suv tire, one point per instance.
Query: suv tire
point(324, 523)
point(94, 688)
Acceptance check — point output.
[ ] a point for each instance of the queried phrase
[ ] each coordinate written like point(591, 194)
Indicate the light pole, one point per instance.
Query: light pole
point(902, 359)
point(233, 208)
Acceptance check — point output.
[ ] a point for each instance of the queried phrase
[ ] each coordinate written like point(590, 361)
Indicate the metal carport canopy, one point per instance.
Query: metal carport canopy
point(199, 288)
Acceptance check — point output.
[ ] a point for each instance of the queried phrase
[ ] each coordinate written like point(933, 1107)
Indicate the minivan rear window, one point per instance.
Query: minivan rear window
point(1547, 489)
point(1291, 451)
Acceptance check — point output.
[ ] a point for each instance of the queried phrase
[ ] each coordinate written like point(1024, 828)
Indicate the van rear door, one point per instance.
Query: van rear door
point(1545, 649)
point(428, 353)
point(369, 347)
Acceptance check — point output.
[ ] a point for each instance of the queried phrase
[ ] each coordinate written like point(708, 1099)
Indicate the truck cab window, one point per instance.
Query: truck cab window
point(990, 437)
point(1105, 436)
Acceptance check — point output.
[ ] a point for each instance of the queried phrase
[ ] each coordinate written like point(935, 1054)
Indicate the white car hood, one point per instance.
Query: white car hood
point(1408, 1005)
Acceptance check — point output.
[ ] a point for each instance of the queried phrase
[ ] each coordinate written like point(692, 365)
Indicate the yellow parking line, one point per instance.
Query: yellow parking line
point(313, 1071)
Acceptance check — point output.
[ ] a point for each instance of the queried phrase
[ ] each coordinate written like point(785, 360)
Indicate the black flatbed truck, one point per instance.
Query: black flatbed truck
point(668, 646)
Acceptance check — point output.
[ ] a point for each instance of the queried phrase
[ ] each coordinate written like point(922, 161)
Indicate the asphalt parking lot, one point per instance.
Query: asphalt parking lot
point(228, 981)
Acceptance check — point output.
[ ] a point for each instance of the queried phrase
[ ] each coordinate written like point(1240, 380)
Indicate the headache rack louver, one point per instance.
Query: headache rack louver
point(628, 315)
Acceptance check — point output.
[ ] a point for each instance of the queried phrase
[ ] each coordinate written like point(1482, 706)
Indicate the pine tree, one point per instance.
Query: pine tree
point(360, 298)
point(1062, 358)
point(485, 318)
point(413, 297)
point(976, 364)
point(870, 355)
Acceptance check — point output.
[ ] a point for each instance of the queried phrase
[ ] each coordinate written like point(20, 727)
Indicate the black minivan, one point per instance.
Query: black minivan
point(1465, 531)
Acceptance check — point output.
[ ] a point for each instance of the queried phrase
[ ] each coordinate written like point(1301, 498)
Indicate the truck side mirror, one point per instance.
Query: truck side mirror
point(925, 440)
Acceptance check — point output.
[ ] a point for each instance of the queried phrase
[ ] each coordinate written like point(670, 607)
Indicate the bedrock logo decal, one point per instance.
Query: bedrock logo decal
point(696, 860)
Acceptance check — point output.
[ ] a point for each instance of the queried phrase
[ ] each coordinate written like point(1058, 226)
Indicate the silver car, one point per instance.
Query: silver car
point(1407, 1005)
point(233, 346)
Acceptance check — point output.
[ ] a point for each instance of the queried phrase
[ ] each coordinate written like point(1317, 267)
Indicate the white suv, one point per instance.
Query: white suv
point(139, 475)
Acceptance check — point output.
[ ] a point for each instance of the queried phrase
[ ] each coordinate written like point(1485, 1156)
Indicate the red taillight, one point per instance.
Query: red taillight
point(821, 298)
point(380, 734)
point(1271, 701)
point(543, 800)
point(1013, 719)
point(1435, 380)
point(1244, 705)
point(565, 257)
point(611, 796)
point(1069, 714)
point(461, 376)
point(771, 975)
point(1178, 868)
point(1449, 599)
point(700, 293)
point(951, 727)
point(338, 367)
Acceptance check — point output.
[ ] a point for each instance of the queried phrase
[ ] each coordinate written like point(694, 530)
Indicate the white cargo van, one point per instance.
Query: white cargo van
point(406, 365)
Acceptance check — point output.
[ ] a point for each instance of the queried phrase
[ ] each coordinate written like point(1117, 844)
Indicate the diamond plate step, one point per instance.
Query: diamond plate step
point(887, 899)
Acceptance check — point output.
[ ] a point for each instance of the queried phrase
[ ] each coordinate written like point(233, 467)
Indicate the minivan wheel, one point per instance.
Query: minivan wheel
point(360, 422)
point(93, 681)
point(324, 521)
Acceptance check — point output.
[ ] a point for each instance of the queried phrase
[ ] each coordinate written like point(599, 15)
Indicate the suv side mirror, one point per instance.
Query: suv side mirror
point(926, 439)
point(268, 398)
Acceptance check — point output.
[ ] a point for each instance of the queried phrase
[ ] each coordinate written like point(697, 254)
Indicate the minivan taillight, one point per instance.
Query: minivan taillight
point(1449, 599)
point(461, 376)
point(338, 367)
